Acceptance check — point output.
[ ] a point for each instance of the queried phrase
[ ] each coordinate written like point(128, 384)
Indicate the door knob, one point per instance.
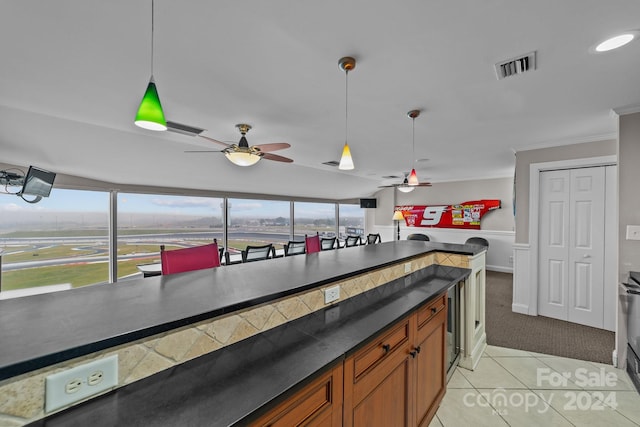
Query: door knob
point(586, 256)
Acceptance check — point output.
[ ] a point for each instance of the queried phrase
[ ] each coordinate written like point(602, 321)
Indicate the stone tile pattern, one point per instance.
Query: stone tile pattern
point(22, 397)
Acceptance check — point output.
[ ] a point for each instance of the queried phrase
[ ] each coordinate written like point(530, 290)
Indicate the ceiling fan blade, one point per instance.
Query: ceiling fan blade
point(277, 158)
point(214, 140)
point(424, 184)
point(265, 148)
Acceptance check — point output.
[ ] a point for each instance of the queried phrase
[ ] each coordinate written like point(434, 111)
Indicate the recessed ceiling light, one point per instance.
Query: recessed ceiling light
point(422, 160)
point(615, 42)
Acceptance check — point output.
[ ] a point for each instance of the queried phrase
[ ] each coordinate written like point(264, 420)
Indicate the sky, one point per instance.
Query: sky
point(80, 201)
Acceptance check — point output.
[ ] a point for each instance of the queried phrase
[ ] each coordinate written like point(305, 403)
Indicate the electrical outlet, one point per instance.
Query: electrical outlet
point(511, 260)
point(633, 232)
point(407, 267)
point(76, 384)
point(331, 294)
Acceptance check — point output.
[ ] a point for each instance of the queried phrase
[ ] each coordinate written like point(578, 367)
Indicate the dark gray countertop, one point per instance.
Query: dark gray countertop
point(42, 330)
point(236, 384)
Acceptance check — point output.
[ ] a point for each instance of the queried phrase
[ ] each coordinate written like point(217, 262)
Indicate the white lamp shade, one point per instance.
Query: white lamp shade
point(242, 158)
point(405, 188)
point(346, 161)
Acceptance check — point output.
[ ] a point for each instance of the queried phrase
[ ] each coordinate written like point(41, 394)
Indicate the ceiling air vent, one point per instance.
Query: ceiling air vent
point(519, 65)
point(331, 163)
point(183, 129)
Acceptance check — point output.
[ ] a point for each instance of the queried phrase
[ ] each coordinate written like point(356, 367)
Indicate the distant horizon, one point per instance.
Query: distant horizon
point(92, 207)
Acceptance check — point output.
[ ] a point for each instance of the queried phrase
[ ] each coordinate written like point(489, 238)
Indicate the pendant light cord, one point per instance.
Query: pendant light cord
point(152, 34)
point(346, 106)
point(413, 138)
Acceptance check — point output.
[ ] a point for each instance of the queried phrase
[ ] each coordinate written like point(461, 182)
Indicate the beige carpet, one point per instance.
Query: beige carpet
point(537, 333)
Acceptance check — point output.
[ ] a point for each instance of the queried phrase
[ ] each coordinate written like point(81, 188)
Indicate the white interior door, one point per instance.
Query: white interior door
point(553, 272)
point(571, 244)
point(586, 247)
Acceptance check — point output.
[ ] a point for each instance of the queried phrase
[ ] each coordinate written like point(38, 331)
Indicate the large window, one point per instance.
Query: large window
point(257, 222)
point(63, 241)
point(311, 218)
point(146, 221)
point(351, 222)
point(58, 243)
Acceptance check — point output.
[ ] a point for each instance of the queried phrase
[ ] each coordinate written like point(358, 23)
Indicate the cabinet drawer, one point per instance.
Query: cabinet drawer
point(431, 309)
point(318, 404)
point(380, 348)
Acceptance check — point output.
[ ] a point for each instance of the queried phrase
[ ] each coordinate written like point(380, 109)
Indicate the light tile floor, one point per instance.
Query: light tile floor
point(519, 388)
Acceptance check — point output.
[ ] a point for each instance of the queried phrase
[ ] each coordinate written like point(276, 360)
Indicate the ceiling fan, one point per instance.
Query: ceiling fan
point(242, 154)
point(405, 187)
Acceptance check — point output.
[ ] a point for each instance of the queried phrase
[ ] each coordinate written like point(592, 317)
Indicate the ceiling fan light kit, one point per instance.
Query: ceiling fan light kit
point(241, 154)
point(150, 115)
point(405, 187)
point(346, 64)
point(242, 158)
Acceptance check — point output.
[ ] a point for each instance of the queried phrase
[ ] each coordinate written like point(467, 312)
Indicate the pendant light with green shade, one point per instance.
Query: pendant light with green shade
point(150, 115)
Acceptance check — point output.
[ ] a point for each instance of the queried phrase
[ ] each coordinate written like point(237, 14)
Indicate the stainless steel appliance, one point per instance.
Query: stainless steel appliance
point(453, 329)
point(632, 304)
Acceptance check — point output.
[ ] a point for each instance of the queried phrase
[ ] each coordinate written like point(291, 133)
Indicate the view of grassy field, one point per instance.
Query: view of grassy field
point(79, 275)
point(85, 272)
point(28, 253)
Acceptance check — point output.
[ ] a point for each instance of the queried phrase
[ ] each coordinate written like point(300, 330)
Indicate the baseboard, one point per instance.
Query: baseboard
point(499, 269)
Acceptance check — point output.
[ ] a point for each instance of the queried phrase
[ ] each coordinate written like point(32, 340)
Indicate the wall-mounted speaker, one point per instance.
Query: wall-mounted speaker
point(368, 203)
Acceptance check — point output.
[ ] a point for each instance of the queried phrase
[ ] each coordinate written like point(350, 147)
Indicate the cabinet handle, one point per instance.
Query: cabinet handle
point(415, 352)
point(386, 348)
point(433, 310)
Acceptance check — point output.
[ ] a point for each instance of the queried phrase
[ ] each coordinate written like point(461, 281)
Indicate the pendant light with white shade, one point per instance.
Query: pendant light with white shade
point(413, 177)
point(346, 64)
point(150, 115)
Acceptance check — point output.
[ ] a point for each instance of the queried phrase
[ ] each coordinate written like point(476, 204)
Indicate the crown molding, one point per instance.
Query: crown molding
point(568, 141)
point(628, 109)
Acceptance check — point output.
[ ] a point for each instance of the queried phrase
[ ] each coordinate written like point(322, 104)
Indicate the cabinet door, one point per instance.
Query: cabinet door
point(319, 404)
point(430, 367)
point(387, 403)
point(376, 388)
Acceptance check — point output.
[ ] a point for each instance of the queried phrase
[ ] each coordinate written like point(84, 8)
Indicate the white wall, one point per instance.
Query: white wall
point(551, 154)
point(628, 214)
point(497, 226)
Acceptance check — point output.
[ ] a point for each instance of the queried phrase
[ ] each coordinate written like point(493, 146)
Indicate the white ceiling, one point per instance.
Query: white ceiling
point(73, 73)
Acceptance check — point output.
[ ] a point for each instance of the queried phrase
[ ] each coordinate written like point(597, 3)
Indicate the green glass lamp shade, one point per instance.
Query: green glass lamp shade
point(150, 115)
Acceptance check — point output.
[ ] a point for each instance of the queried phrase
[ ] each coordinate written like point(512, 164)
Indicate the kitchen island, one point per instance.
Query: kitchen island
point(239, 380)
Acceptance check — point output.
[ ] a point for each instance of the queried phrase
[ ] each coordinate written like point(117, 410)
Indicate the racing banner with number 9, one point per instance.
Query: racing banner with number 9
point(463, 215)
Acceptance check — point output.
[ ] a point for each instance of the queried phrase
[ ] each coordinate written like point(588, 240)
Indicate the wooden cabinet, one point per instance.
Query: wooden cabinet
point(399, 378)
point(430, 360)
point(376, 381)
point(318, 404)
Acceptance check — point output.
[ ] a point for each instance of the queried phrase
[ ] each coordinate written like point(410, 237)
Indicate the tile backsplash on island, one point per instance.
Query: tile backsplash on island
point(22, 398)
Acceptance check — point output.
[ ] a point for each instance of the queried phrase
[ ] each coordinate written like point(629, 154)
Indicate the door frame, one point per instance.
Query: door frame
point(534, 199)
